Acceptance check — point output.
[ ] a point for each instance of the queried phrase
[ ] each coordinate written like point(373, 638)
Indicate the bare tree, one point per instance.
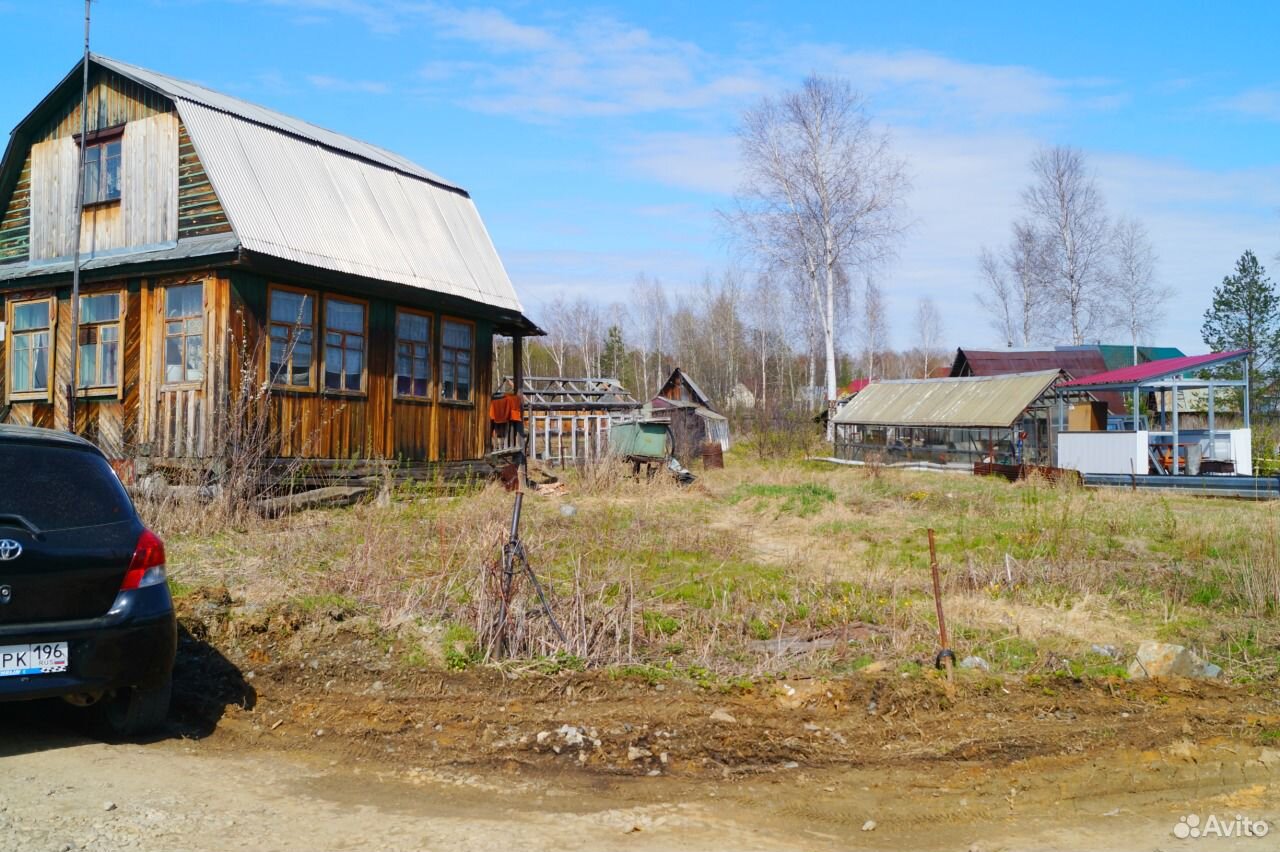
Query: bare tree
point(1016, 294)
point(928, 332)
point(1138, 299)
point(558, 332)
point(874, 325)
point(653, 316)
point(822, 191)
point(1070, 220)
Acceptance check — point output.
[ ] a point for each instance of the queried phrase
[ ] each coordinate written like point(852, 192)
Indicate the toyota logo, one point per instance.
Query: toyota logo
point(9, 549)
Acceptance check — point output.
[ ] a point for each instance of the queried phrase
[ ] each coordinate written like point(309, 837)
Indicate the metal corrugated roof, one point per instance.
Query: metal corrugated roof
point(193, 247)
point(994, 402)
point(295, 191)
point(174, 88)
point(1156, 370)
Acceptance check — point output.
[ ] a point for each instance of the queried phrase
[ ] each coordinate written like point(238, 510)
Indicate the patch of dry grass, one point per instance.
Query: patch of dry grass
point(830, 561)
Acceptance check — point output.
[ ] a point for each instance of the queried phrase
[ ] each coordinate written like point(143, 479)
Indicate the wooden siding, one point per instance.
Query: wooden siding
point(147, 213)
point(150, 418)
point(104, 418)
point(113, 100)
point(199, 211)
point(15, 223)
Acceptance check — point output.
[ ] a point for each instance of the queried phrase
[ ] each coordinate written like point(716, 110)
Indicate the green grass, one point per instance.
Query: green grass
point(800, 500)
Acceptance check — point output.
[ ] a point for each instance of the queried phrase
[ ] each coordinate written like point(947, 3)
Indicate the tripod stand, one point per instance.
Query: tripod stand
point(515, 560)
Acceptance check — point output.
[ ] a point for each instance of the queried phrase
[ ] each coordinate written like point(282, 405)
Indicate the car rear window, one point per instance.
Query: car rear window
point(57, 488)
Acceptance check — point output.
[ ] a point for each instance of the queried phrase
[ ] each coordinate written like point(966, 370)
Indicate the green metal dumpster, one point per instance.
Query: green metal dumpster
point(641, 441)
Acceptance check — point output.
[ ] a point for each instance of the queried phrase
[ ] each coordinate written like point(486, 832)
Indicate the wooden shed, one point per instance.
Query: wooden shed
point(233, 255)
point(680, 391)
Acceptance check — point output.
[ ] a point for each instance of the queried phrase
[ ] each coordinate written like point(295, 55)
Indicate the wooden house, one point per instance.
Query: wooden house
point(693, 420)
point(227, 249)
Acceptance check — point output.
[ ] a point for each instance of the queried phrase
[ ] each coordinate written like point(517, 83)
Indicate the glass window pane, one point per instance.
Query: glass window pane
point(40, 368)
point(404, 363)
point(21, 372)
point(184, 301)
point(111, 173)
point(110, 363)
point(291, 308)
point(344, 316)
point(31, 315)
point(172, 328)
point(333, 367)
point(91, 174)
point(88, 366)
point(353, 362)
point(457, 335)
point(195, 325)
point(411, 327)
point(104, 307)
point(109, 333)
point(173, 359)
point(403, 384)
point(421, 368)
point(276, 364)
point(195, 358)
point(420, 387)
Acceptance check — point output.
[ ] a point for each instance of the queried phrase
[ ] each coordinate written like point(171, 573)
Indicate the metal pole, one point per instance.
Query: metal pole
point(75, 234)
point(1246, 393)
point(1213, 439)
point(1176, 465)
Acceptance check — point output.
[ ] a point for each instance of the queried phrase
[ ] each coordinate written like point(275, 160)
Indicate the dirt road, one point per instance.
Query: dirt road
point(64, 792)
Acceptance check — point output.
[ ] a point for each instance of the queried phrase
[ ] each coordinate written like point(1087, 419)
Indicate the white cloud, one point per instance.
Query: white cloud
point(1260, 102)
point(338, 84)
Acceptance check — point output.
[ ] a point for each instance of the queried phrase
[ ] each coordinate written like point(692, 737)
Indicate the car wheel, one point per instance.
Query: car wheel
point(132, 711)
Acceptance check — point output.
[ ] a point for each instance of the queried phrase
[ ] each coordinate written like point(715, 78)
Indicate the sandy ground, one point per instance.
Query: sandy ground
point(62, 792)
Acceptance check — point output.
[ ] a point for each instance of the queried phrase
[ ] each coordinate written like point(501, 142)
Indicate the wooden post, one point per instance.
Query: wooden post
point(945, 649)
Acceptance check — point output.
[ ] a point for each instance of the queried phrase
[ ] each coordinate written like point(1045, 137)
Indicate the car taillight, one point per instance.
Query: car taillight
point(147, 566)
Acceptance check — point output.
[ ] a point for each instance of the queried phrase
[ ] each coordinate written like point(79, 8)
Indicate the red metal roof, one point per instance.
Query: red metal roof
point(1000, 362)
point(855, 386)
point(1155, 370)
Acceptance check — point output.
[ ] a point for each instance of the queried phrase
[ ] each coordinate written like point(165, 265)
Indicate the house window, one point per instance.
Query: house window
point(293, 321)
point(184, 334)
point(413, 355)
point(102, 171)
point(455, 361)
point(29, 356)
point(99, 341)
point(343, 345)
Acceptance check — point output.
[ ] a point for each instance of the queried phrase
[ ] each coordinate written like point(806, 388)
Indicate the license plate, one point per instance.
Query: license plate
point(33, 659)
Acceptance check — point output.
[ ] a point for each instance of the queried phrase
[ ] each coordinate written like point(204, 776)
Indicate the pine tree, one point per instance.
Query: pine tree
point(615, 352)
point(1245, 314)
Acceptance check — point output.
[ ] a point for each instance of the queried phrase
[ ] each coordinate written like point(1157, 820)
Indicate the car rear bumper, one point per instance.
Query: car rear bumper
point(133, 645)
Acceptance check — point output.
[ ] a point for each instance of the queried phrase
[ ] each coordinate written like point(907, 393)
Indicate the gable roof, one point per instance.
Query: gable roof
point(297, 192)
point(999, 362)
point(678, 374)
point(1116, 356)
point(972, 402)
point(1156, 370)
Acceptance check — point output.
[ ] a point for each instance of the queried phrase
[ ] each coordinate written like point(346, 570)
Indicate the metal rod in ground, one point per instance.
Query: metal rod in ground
point(945, 654)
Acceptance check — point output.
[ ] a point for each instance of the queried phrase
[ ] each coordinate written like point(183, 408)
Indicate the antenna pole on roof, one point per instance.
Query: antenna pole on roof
point(75, 231)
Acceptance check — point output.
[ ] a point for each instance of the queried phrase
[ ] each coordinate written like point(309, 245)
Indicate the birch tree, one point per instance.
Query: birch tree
point(1069, 217)
point(822, 190)
point(928, 332)
point(1139, 300)
point(873, 325)
point(1015, 296)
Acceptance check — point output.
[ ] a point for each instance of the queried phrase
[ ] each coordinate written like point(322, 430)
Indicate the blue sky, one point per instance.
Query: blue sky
point(597, 139)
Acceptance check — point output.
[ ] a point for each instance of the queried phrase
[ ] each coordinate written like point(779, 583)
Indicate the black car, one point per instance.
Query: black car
point(85, 611)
